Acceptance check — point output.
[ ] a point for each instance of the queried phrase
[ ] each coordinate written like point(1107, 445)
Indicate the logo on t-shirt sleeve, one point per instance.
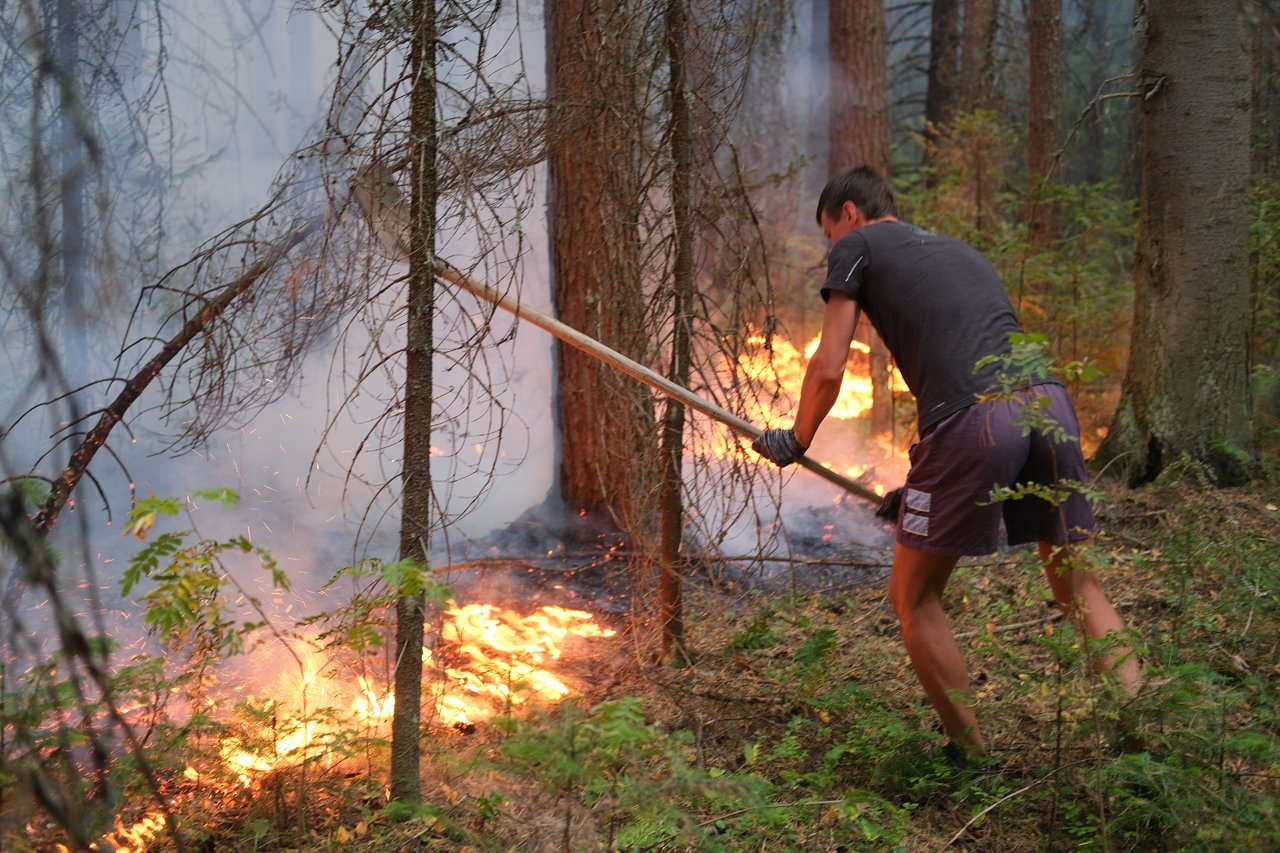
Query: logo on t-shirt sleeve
point(852, 268)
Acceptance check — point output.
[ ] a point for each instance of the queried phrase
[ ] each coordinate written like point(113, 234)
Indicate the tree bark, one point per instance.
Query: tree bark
point(671, 495)
point(859, 109)
point(1044, 117)
point(608, 443)
point(416, 502)
point(1186, 394)
point(977, 55)
point(944, 52)
point(859, 102)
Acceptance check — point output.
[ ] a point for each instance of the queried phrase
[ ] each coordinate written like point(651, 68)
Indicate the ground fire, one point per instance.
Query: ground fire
point(480, 660)
point(488, 661)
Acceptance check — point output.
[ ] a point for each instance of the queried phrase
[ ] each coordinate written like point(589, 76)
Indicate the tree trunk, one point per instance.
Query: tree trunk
point(1186, 394)
point(607, 436)
point(942, 88)
point(859, 109)
point(415, 520)
point(671, 496)
point(978, 55)
point(1264, 348)
point(1093, 36)
point(73, 170)
point(858, 103)
point(1044, 117)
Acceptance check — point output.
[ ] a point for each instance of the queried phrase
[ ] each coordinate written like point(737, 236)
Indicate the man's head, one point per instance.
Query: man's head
point(852, 199)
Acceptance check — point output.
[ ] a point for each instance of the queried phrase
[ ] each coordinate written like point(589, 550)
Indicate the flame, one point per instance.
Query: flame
point(497, 661)
point(782, 368)
point(778, 373)
point(133, 838)
point(503, 654)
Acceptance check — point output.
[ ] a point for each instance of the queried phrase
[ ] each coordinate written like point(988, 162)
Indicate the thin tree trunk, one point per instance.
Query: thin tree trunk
point(859, 112)
point(1094, 35)
point(1044, 117)
point(942, 88)
point(672, 500)
point(1186, 394)
point(416, 503)
point(72, 173)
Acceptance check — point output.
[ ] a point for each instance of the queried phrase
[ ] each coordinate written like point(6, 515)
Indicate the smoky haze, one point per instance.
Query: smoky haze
point(245, 86)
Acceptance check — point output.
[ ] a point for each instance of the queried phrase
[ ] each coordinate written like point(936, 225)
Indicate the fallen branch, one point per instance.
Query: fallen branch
point(1013, 626)
point(201, 319)
point(980, 815)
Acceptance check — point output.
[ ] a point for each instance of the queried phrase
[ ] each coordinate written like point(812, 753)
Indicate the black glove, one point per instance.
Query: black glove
point(779, 446)
point(889, 506)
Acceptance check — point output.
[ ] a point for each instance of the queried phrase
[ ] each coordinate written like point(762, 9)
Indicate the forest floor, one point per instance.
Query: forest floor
point(814, 693)
point(799, 724)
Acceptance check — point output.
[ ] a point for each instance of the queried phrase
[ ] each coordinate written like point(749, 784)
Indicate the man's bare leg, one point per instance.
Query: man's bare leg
point(915, 589)
point(1082, 600)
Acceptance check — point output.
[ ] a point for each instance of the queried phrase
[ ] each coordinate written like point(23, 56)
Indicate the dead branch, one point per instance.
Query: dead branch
point(200, 320)
point(1013, 626)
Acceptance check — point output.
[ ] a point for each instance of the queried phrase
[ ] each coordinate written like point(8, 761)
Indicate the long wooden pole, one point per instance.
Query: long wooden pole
point(638, 371)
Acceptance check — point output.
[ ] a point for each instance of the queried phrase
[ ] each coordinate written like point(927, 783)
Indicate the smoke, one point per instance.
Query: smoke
point(245, 86)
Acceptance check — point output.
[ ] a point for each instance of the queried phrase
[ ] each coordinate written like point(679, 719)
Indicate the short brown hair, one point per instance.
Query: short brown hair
point(863, 186)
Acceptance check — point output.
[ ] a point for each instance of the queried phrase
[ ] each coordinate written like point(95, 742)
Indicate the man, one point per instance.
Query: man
point(940, 308)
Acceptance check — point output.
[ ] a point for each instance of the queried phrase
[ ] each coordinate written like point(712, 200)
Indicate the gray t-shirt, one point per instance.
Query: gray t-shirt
point(937, 303)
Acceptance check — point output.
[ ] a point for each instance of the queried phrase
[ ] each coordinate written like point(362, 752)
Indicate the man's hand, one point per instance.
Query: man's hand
point(891, 504)
point(779, 446)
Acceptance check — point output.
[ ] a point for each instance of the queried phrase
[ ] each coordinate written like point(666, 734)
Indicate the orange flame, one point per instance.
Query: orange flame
point(778, 373)
point(498, 662)
point(133, 838)
point(503, 654)
point(781, 370)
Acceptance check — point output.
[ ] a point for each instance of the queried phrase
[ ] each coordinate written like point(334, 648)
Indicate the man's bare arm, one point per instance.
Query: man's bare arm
point(825, 371)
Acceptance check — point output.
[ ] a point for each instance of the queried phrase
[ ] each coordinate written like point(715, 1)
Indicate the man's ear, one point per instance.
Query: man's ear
point(850, 210)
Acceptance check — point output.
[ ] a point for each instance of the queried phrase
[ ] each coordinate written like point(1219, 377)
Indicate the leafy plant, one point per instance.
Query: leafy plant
point(185, 603)
point(630, 771)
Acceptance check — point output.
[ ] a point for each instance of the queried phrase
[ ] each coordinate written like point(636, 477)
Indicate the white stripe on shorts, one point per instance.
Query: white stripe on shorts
point(918, 500)
point(917, 524)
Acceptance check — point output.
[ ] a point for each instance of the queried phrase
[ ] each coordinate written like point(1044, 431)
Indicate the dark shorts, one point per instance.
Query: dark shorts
point(947, 505)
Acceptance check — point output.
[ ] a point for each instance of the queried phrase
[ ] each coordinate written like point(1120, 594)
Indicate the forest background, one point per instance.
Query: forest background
point(235, 247)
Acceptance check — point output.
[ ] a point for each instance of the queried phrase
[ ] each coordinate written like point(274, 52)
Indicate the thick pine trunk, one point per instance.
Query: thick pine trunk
point(415, 521)
point(608, 440)
point(859, 102)
point(1186, 392)
point(859, 109)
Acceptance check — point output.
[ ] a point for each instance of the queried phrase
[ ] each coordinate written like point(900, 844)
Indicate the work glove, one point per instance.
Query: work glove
point(890, 504)
point(779, 446)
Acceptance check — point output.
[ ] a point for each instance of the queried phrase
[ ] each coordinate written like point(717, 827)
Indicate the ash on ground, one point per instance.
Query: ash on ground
point(548, 556)
point(830, 545)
